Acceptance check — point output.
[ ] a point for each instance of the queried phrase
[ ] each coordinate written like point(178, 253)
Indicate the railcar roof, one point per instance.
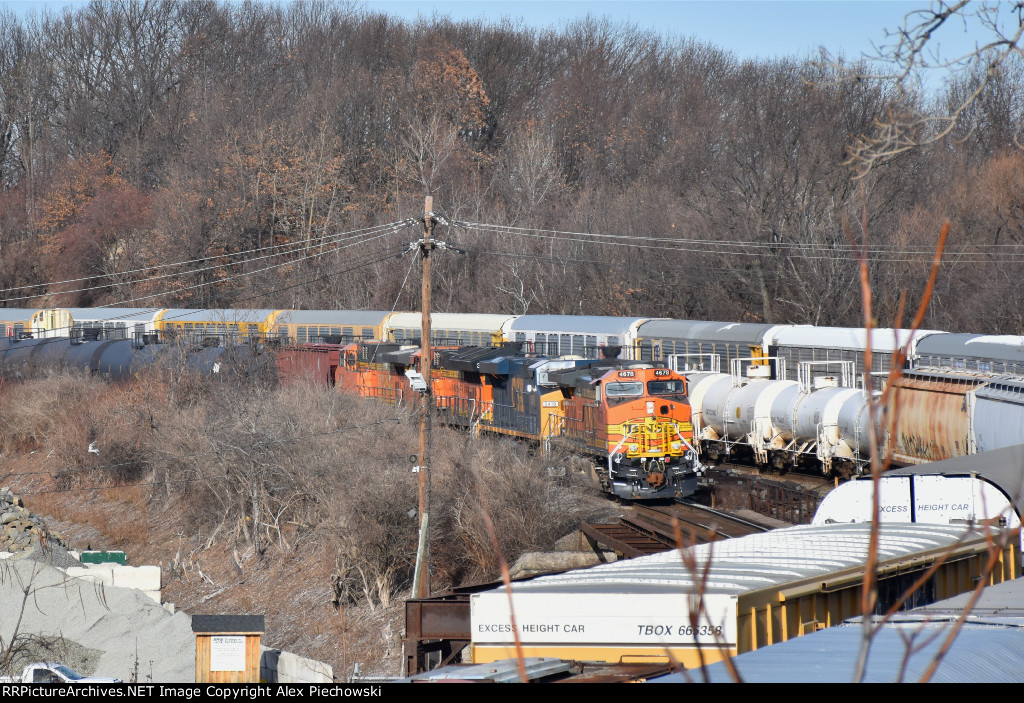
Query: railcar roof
point(18, 314)
point(576, 324)
point(752, 563)
point(106, 314)
point(984, 346)
point(449, 321)
point(852, 338)
point(333, 317)
point(696, 330)
point(216, 315)
point(986, 650)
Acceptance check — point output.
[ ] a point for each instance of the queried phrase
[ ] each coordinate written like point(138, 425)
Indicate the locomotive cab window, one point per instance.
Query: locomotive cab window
point(668, 387)
point(618, 392)
point(669, 390)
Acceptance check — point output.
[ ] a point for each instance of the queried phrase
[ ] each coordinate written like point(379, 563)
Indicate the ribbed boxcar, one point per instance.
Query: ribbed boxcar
point(310, 363)
point(933, 422)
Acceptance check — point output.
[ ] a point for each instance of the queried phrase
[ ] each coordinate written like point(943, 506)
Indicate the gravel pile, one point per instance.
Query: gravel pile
point(123, 626)
point(22, 531)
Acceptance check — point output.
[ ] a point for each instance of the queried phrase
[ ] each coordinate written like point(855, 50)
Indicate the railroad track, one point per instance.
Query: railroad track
point(652, 529)
point(792, 498)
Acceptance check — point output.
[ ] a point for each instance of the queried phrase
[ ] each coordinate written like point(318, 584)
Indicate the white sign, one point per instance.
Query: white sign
point(661, 619)
point(227, 653)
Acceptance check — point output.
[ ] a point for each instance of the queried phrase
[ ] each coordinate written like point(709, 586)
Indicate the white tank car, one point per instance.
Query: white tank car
point(781, 423)
point(830, 423)
point(735, 411)
point(697, 384)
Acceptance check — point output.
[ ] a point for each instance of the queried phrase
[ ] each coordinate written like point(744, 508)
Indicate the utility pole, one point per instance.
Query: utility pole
point(421, 579)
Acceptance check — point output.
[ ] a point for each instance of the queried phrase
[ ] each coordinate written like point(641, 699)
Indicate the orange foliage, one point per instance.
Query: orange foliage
point(443, 77)
point(78, 183)
point(85, 221)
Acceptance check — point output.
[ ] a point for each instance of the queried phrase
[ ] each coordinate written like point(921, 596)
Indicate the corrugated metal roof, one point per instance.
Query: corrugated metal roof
point(506, 671)
point(973, 346)
point(575, 324)
point(696, 330)
point(981, 653)
point(754, 562)
point(1003, 467)
point(333, 317)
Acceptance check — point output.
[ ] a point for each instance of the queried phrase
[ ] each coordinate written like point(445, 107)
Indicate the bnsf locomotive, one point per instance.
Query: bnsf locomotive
point(632, 419)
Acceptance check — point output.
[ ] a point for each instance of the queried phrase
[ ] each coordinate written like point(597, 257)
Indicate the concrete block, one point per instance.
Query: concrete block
point(147, 577)
point(154, 596)
point(124, 576)
point(96, 573)
point(284, 667)
point(291, 668)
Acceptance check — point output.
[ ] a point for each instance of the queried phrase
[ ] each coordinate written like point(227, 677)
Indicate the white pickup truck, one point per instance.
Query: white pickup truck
point(48, 672)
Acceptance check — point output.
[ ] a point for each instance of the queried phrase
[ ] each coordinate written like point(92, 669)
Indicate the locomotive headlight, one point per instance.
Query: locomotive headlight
point(676, 446)
point(650, 407)
point(634, 447)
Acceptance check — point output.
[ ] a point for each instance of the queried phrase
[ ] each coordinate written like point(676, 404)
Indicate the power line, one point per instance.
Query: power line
point(362, 236)
point(361, 264)
point(853, 247)
point(156, 267)
point(750, 249)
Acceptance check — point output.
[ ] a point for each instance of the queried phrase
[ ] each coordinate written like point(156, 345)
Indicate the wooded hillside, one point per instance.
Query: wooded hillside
point(135, 134)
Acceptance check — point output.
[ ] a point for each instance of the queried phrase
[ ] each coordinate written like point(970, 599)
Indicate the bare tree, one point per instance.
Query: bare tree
point(979, 75)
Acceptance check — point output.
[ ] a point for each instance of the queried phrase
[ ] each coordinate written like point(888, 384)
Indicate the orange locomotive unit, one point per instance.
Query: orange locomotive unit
point(635, 417)
point(632, 419)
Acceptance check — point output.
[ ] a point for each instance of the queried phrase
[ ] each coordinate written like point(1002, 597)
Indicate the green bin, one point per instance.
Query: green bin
point(104, 557)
